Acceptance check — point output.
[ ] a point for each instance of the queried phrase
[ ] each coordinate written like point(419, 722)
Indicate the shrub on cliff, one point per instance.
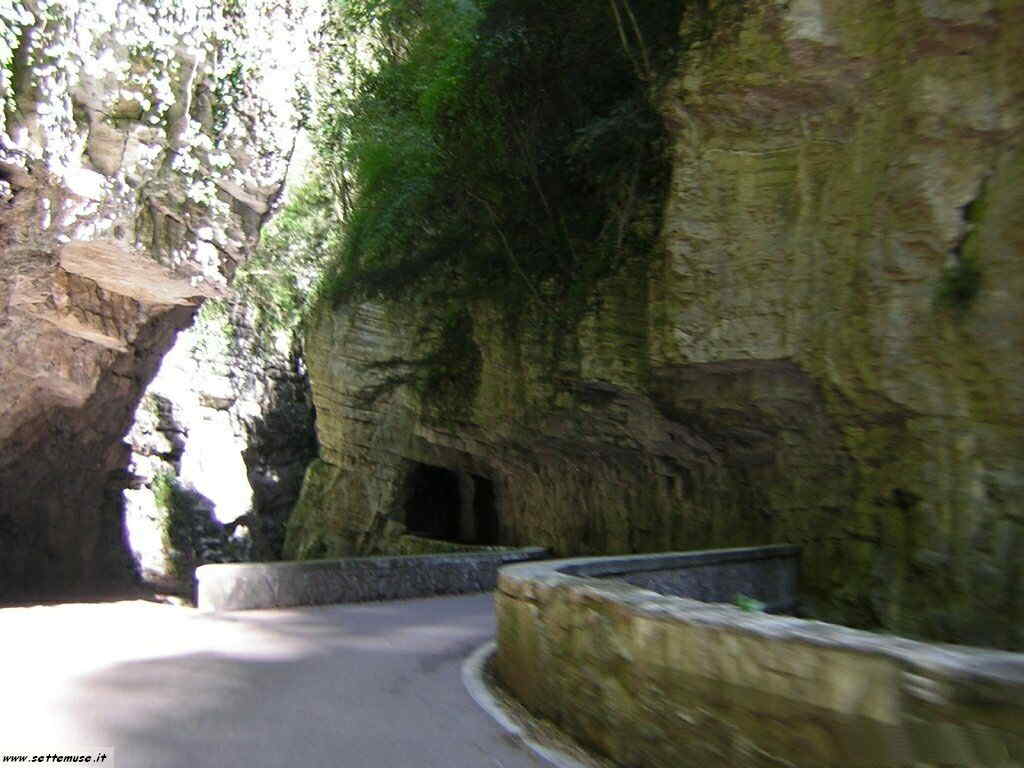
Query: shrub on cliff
point(504, 149)
point(191, 536)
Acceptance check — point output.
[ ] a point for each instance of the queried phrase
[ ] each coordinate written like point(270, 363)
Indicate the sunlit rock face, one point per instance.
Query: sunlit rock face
point(803, 361)
point(228, 420)
point(139, 160)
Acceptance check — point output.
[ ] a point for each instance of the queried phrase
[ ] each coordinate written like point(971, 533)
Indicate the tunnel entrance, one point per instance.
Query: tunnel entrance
point(453, 506)
point(433, 506)
point(485, 514)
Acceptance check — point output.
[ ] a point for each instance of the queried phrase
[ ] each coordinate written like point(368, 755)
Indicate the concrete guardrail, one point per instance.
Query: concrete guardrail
point(243, 586)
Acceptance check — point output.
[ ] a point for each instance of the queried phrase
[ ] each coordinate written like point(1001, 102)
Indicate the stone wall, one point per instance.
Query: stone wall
point(654, 680)
point(766, 575)
point(823, 351)
point(243, 586)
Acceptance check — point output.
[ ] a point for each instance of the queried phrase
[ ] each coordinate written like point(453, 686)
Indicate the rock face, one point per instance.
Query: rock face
point(138, 162)
point(274, 409)
point(228, 424)
point(825, 352)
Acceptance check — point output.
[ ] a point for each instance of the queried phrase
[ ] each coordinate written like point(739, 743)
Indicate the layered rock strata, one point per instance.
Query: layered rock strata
point(138, 161)
point(825, 351)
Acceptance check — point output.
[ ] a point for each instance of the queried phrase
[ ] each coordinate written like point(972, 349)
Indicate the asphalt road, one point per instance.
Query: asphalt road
point(373, 685)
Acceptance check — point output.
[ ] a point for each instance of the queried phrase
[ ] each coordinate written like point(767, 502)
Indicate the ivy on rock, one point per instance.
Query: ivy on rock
point(492, 149)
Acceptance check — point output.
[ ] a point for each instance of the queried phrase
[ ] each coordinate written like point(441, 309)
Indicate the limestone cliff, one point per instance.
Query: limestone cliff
point(139, 159)
point(824, 350)
point(226, 430)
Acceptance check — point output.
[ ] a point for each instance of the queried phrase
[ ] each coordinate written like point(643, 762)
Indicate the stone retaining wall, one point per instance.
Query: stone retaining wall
point(766, 574)
point(408, 544)
point(658, 680)
point(242, 586)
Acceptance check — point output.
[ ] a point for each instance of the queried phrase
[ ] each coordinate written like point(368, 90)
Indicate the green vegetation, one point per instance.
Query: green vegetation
point(409, 544)
point(749, 604)
point(443, 376)
point(961, 281)
point(453, 369)
point(505, 150)
point(191, 537)
point(497, 151)
point(14, 57)
point(475, 149)
point(276, 282)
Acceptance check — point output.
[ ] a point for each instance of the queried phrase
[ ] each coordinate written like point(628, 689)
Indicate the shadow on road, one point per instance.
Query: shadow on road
point(355, 685)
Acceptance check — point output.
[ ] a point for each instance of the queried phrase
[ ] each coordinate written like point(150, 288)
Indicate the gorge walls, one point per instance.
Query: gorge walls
point(138, 160)
point(847, 197)
point(823, 349)
point(219, 444)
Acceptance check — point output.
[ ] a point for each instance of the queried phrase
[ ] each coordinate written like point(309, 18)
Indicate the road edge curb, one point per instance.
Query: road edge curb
point(478, 689)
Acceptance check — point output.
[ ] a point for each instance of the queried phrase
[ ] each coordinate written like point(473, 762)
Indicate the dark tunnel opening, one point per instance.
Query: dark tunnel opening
point(432, 508)
point(452, 506)
point(485, 513)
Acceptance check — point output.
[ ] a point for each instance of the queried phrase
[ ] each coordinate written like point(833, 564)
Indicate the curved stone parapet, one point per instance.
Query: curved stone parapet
point(666, 680)
point(243, 586)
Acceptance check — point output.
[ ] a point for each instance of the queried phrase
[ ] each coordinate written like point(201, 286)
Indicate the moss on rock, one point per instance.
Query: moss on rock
point(774, 368)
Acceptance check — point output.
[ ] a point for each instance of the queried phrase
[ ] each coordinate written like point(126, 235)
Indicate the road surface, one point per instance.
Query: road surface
point(373, 685)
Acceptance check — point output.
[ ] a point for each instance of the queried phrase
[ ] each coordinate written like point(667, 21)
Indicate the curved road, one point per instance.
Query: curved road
point(373, 685)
